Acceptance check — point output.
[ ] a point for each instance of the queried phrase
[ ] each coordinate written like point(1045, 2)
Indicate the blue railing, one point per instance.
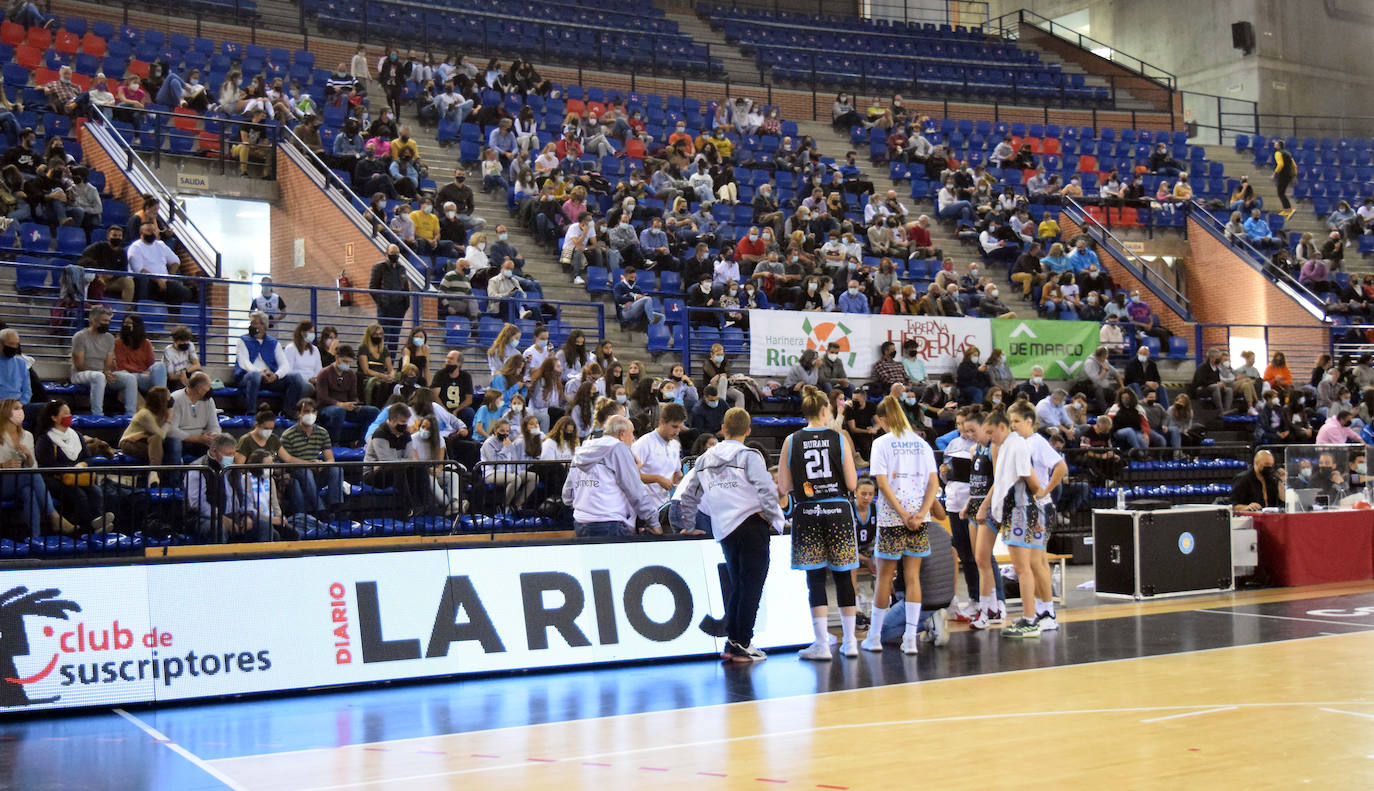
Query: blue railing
point(1167, 292)
point(46, 325)
point(196, 243)
point(1299, 343)
point(1260, 262)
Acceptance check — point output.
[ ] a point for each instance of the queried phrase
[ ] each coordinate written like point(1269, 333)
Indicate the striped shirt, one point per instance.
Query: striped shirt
point(307, 448)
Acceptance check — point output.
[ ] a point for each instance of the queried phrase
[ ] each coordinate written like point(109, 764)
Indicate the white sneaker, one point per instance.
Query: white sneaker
point(815, 652)
point(981, 621)
point(850, 648)
point(872, 642)
point(910, 645)
point(578, 281)
point(1047, 623)
point(939, 628)
point(1001, 614)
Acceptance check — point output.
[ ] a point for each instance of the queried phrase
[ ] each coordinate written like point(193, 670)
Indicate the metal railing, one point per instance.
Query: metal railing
point(1167, 292)
point(196, 243)
point(55, 511)
point(347, 201)
point(168, 136)
point(46, 324)
point(1008, 26)
point(1285, 280)
point(1299, 343)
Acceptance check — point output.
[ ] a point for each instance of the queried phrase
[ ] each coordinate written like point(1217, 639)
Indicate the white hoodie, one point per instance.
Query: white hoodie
point(735, 480)
point(603, 484)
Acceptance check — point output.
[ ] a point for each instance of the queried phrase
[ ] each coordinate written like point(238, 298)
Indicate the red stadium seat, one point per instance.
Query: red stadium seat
point(91, 44)
point(28, 57)
point(1087, 163)
point(634, 148)
point(40, 37)
point(185, 120)
point(138, 67)
point(12, 34)
point(68, 43)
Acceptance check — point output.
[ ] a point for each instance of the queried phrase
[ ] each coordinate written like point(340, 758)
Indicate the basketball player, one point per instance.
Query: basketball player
point(1012, 507)
point(816, 472)
point(909, 482)
point(744, 514)
point(1050, 468)
point(865, 534)
point(984, 535)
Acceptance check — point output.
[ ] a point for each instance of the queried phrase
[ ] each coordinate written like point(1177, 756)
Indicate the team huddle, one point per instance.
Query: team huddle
point(999, 475)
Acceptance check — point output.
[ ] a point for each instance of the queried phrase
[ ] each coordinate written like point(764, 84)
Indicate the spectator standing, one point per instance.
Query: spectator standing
point(388, 276)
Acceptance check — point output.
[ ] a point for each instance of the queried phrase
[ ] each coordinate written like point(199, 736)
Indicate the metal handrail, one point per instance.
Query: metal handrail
point(1256, 259)
point(348, 202)
point(1086, 43)
point(1136, 265)
point(197, 244)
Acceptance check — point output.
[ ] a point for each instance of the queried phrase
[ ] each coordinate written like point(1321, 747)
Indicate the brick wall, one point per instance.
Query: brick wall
point(1224, 289)
point(1124, 279)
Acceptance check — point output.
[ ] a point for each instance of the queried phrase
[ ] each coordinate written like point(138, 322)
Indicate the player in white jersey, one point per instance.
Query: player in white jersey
point(1050, 469)
point(1012, 507)
point(904, 466)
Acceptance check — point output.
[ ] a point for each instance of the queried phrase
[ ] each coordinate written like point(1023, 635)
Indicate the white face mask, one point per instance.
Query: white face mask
point(811, 287)
point(453, 215)
point(705, 288)
point(993, 293)
point(310, 337)
point(308, 419)
point(1037, 380)
point(853, 291)
point(264, 433)
point(422, 434)
point(1143, 358)
point(517, 408)
point(975, 359)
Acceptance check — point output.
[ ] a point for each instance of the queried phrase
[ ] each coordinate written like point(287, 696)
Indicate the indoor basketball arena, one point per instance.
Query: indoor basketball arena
point(732, 394)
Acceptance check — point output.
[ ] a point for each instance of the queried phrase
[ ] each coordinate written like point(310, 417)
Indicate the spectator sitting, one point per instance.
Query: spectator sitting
point(633, 303)
point(338, 397)
point(180, 357)
point(972, 377)
point(1051, 411)
point(1244, 198)
point(1034, 389)
point(1100, 379)
point(258, 359)
point(1207, 383)
point(1162, 163)
point(151, 256)
point(1183, 191)
point(110, 255)
point(1336, 430)
point(991, 307)
point(309, 448)
point(59, 445)
point(92, 356)
point(1259, 233)
point(1081, 259)
point(62, 92)
point(709, 413)
point(135, 365)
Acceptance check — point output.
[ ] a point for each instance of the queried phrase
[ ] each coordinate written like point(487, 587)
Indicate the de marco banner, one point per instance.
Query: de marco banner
point(98, 636)
point(778, 338)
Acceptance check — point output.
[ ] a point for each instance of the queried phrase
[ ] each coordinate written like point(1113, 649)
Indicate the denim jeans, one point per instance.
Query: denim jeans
point(958, 210)
point(746, 569)
point(131, 384)
point(335, 417)
point(34, 502)
point(1136, 439)
point(639, 309)
point(304, 496)
point(600, 529)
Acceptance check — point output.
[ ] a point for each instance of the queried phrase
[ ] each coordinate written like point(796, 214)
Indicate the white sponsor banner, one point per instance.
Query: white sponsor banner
point(777, 339)
point(102, 636)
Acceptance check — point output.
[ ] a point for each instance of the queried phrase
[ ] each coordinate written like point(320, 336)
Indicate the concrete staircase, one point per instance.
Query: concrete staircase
point(1242, 163)
point(738, 67)
point(541, 263)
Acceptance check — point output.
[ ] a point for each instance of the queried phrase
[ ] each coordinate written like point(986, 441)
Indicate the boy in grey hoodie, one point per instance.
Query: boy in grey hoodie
point(744, 511)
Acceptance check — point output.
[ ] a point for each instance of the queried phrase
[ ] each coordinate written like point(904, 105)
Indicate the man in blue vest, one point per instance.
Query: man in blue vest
point(259, 361)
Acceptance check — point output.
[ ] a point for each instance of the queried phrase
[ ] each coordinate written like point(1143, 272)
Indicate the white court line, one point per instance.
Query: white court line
point(796, 697)
point(1351, 713)
point(161, 738)
point(524, 764)
point(1364, 626)
point(1189, 714)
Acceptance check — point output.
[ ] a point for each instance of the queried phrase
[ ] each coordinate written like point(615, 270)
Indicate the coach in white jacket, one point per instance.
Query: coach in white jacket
point(744, 510)
point(603, 485)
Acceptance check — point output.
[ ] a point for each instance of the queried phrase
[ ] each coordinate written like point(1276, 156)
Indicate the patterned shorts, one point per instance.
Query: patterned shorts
point(895, 541)
point(1022, 526)
point(823, 536)
point(974, 503)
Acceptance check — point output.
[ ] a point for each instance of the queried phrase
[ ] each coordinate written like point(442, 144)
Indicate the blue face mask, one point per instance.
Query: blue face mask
point(711, 402)
point(910, 400)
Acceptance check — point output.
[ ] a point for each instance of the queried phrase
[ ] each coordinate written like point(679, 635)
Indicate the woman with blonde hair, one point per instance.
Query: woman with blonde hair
point(374, 365)
point(903, 465)
point(507, 343)
point(716, 371)
point(146, 433)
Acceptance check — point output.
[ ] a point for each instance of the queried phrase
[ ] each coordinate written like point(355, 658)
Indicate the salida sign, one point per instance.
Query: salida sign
point(108, 635)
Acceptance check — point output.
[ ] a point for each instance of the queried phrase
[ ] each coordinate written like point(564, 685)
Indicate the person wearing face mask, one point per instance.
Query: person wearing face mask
point(391, 442)
point(262, 437)
point(150, 256)
point(853, 300)
point(1259, 486)
point(805, 372)
point(109, 255)
point(604, 487)
point(1336, 430)
point(388, 276)
point(212, 501)
point(59, 445)
point(831, 372)
point(505, 292)
point(14, 370)
point(709, 413)
point(972, 377)
point(887, 369)
point(1142, 375)
point(270, 303)
point(1034, 388)
point(1131, 428)
point(259, 360)
point(307, 446)
point(498, 450)
point(632, 304)
point(750, 250)
point(92, 358)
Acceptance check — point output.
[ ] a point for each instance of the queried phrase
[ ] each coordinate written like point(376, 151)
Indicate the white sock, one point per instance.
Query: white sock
point(847, 622)
point(988, 603)
point(818, 624)
point(875, 623)
point(1044, 608)
point(913, 618)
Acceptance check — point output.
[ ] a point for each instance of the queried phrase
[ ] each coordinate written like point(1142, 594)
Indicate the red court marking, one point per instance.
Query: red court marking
point(484, 755)
point(433, 752)
point(376, 749)
point(1193, 750)
point(840, 788)
point(713, 774)
point(652, 769)
point(769, 780)
point(101, 739)
point(542, 760)
point(162, 741)
point(594, 763)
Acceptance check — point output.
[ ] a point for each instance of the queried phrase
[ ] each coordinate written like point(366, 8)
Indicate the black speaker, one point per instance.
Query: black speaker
point(1243, 36)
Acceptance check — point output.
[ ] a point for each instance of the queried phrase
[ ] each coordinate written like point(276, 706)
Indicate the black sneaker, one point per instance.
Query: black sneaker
point(861, 620)
point(740, 653)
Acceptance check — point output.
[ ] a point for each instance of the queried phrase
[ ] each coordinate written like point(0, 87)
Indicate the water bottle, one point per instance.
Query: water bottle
point(1121, 499)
